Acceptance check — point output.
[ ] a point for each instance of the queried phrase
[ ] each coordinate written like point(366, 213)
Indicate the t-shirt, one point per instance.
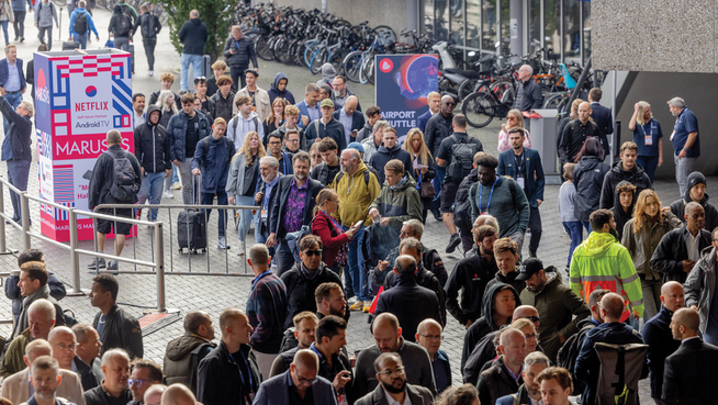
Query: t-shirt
point(192, 135)
point(685, 124)
point(646, 137)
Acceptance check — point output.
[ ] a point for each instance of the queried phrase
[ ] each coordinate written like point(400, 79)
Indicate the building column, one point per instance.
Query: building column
point(516, 27)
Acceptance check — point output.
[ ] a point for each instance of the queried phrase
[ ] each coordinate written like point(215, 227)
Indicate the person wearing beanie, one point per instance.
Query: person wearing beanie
point(696, 192)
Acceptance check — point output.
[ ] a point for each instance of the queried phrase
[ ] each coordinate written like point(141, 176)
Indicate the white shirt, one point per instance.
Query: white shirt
point(391, 401)
point(692, 246)
point(139, 119)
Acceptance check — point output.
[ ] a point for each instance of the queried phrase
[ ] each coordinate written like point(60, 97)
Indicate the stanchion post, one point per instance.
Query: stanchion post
point(3, 247)
point(74, 257)
point(25, 217)
point(160, 260)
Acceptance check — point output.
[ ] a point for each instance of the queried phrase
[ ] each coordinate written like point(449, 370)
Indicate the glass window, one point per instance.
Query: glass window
point(572, 30)
point(505, 26)
point(441, 22)
point(473, 23)
point(456, 16)
point(534, 34)
point(586, 30)
point(552, 29)
point(428, 13)
point(489, 24)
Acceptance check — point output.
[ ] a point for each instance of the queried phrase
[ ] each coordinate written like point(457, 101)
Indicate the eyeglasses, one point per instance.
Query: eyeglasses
point(451, 104)
point(292, 140)
point(311, 253)
point(433, 337)
point(532, 318)
point(310, 381)
point(65, 347)
point(511, 118)
point(137, 383)
point(531, 336)
point(388, 373)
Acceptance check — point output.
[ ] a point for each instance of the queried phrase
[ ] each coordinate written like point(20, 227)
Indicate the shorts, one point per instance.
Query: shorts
point(121, 228)
point(448, 195)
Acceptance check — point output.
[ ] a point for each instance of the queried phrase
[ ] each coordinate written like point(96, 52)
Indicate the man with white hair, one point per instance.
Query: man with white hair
point(269, 171)
point(41, 318)
point(528, 93)
point(113, 390)
point(17, 387)
point(685, 140)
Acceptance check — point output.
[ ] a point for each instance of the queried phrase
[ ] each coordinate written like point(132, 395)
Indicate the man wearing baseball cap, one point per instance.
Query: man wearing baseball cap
point(326, 126)
point(556, 304)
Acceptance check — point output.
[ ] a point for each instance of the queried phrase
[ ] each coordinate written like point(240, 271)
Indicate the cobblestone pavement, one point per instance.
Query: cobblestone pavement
point(213, 294)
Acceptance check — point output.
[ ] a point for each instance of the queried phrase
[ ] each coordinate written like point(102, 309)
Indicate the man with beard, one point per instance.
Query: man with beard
point(529, 392)
point(45, 380)
point(302, 336)
point(602, 262)
point(393, 388)
point(269, 173)
point(330, 300)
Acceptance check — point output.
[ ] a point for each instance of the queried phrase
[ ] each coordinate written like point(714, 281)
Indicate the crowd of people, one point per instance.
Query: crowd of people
point(340, 211)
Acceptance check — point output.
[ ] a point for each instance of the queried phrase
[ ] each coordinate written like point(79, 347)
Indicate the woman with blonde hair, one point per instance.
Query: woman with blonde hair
point(242, 181)
point(334, 238)
point(424, 170)
point(275, 119)
point(641, 236)
point(513, 119)
point(647, 135)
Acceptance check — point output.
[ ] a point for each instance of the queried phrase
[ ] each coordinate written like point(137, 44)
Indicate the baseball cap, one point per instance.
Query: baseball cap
point(529, 267)
point(357, 146)
point(252, 71)
point(327, 103)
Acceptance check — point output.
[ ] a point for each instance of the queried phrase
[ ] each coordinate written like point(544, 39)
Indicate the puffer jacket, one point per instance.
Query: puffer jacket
point(300, 289)
point(213, 161)
point(356, 195)
point(223, 106)
point(400, 203)
point(274, 91)
point(601, 262)
point(701, 285)
point(152, 145)
point(588, 178)
point(383, 155)
point(179, 366)
point(245, 52)
point(635, 176)
point(177, 131)
point(641, 245)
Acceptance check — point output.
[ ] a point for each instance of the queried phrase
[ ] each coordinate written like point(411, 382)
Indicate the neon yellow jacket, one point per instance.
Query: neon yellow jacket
point(355, 195)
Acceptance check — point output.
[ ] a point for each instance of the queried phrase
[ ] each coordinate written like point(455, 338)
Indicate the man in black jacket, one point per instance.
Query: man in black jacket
point(239, 51)
point(117, 329)
point(696, 192)
point(528, 93)
point(16, 146)
point(86, 357)
point(223, 98)
point(601, 115)
point(183, 354)
point(575, 133)
point(101, 191)
point(390, 150)
point(229, 375)
point(151, 26)
point(331, 337)
point(624, 170)
point(498, 380)
point(326, 126)
point(438, 128)
point(193, 36)
point(152, 149)
point(326, 171)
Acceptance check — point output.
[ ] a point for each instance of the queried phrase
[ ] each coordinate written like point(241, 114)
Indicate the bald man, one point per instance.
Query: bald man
point(153, 395)
point(114, 389)
point(575, 134)
point(672, 258)
point(611, 331)
point(350, 116)
point(178, 394)
point(657, 335)
point(299, 384)
point(16, 388)
point(429, 336)
point(64, 346)
point(690, 371)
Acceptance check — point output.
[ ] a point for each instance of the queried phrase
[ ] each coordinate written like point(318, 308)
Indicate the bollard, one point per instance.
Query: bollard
point(74, 257)
point(3, 247)
point(25, 217)
point(159, 241)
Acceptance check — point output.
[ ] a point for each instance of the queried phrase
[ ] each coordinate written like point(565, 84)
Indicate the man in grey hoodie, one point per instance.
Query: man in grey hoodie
point(328, 75)
point(45, 11)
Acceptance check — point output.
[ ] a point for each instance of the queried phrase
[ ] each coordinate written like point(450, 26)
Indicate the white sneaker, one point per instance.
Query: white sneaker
point(240, 252)
point(169, 195)
point(151, 73)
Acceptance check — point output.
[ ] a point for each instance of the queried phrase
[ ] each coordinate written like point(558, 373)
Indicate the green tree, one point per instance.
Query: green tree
point(216, 14)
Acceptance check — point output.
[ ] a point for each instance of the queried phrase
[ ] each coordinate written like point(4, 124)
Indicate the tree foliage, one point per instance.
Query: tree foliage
point(216, 14)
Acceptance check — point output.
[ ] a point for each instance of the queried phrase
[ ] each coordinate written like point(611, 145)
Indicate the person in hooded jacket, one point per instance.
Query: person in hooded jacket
point(279, 89)
point(624, 201)
point(500, 300)
point(506, 256)
point(624, 170)
point(696, 192)
point(388, 151)
point(152, 149)
point(223, 98)
point(641, 235)
point(328, 75)
point(196, 342)
point(588, 176)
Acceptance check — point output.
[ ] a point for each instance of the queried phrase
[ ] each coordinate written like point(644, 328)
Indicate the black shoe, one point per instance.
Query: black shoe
point(532, 253)
point(22, 39)
point(95, 262)
point(113, 265)
point(437, 215)
point(453, 243)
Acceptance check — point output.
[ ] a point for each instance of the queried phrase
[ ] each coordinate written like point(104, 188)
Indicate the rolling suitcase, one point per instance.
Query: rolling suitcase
point(206, 66)
point(191, 231)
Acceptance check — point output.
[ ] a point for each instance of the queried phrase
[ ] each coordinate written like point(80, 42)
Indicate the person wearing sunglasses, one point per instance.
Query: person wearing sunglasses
point(145, 373)
point(545, 290)
point(298, 385)
point(393, 387)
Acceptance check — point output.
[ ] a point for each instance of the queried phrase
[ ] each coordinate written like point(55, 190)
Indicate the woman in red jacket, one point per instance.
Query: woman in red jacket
point(335, 240)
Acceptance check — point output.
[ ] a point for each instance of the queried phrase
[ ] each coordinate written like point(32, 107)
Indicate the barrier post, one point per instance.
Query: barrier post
point(160, 260)
point(74, 257)
point(3, 247)
point(25, 217)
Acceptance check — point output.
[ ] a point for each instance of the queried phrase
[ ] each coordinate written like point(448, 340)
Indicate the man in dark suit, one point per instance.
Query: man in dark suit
point(292, 208)
point(685, 381)
point(524, 166)
point(601, 115)
point(393, 386)
point(299, 384)
point(12, 80)
point(434, 100)
point(351, 118)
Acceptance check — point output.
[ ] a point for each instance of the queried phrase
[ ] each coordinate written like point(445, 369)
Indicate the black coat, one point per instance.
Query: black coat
point(659, 338)
point(219, 380)
point(121, 331)
point(678, 208)
point(588, 178)
point(223, 106)
point(384, 155)
point(87, 377)
point(602, 117)
point(426, 279)
point(669, 254)
point(19, 133)
point(101, 179)
point(689, 374)
point(279, 204)
point(193, 35)
point(470, 276)
point(496, 382)
point(152, 145)
point(438, 128)
point(150, 25)
point(245, 53)
point(635, 176)
point(300, 290)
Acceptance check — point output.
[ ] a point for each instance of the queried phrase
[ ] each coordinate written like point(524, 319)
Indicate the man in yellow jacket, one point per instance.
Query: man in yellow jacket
point(602, 262)
point(357, 188)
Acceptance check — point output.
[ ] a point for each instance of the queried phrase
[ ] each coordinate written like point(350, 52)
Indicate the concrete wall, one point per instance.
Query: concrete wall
point(397, 14)
point(655, 35)
point(698, 90)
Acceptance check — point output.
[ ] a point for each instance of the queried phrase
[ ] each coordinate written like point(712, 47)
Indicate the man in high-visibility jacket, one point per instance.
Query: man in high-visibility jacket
point(602, 262)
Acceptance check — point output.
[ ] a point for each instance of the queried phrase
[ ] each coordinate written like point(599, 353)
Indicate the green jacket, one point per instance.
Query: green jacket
point(400, 203)
point(13, 360)
point(641, 245)
point(601, 262)
point(556, 305)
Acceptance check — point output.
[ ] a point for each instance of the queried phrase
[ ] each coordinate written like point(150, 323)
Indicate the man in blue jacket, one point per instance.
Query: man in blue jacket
point(12, 80)
point(16, 145)
point(434, 100)
point(83, 26)
point(524, 166)
point(211, 159)
point(300, 382)
point(309, 107)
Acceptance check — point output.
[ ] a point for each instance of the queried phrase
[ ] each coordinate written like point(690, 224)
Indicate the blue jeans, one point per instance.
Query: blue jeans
point(587, 225)
point(649, 164)
point(208, 199)
point(4, 25)
point(576, 233)
point(14, 99)
point(152, 188)
point(356, 272)
point(18, 172)
point(245, 216)
point(185, 61)
point(285, 257)
point(81, 39)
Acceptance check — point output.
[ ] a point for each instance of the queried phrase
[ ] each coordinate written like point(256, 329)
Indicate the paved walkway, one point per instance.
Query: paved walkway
point(213, 294)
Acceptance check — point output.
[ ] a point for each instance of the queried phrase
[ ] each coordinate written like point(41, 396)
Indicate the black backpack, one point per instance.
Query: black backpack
point(462, 208)
point(462, 157)
point(568, 353)
point(80, 26)
point(123, 26)
point(123, 186)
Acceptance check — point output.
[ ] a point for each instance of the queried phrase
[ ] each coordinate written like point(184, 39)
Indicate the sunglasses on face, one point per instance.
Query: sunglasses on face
point(311, 253)
point(532, 318)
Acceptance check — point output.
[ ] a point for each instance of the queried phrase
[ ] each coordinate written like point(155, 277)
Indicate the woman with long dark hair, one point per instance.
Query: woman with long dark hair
point(588, 178)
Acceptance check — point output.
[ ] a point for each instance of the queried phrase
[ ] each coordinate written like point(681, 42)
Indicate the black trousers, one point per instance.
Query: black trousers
point(535, 226)
point(150, 44)
point(19, 24)
point(237, 73)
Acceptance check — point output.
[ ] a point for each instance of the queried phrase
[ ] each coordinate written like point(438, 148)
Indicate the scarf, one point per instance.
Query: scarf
point(22, 323)
point(309, 274)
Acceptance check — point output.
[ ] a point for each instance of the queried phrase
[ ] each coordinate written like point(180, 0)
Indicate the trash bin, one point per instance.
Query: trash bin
point(543, 139)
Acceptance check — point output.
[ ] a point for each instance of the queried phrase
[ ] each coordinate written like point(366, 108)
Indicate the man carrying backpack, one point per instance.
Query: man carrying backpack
point(45, 11)
point(81, 24)
point(116, 179)
point(121, 27)
point(150, 28)
point(456, 155)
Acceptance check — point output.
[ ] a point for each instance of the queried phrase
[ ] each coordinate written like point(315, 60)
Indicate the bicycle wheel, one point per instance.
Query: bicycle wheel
point(263, 49)
point(479, 109)
point(363, 79)
point(352, 65)
point(281, 50)
point(309, 50)
point(467, 87)
point(296, 52)
point(386, 35)
point(320, 56)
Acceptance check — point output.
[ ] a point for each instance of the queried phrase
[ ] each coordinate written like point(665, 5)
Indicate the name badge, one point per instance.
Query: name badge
point(520, 180)
point(648, 140)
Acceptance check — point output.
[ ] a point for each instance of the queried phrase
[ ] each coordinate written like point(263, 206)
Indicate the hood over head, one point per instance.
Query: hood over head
point(279, 76)
point(328, 73)
point(152, 108)
point(489, 296)
point(693, 180)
